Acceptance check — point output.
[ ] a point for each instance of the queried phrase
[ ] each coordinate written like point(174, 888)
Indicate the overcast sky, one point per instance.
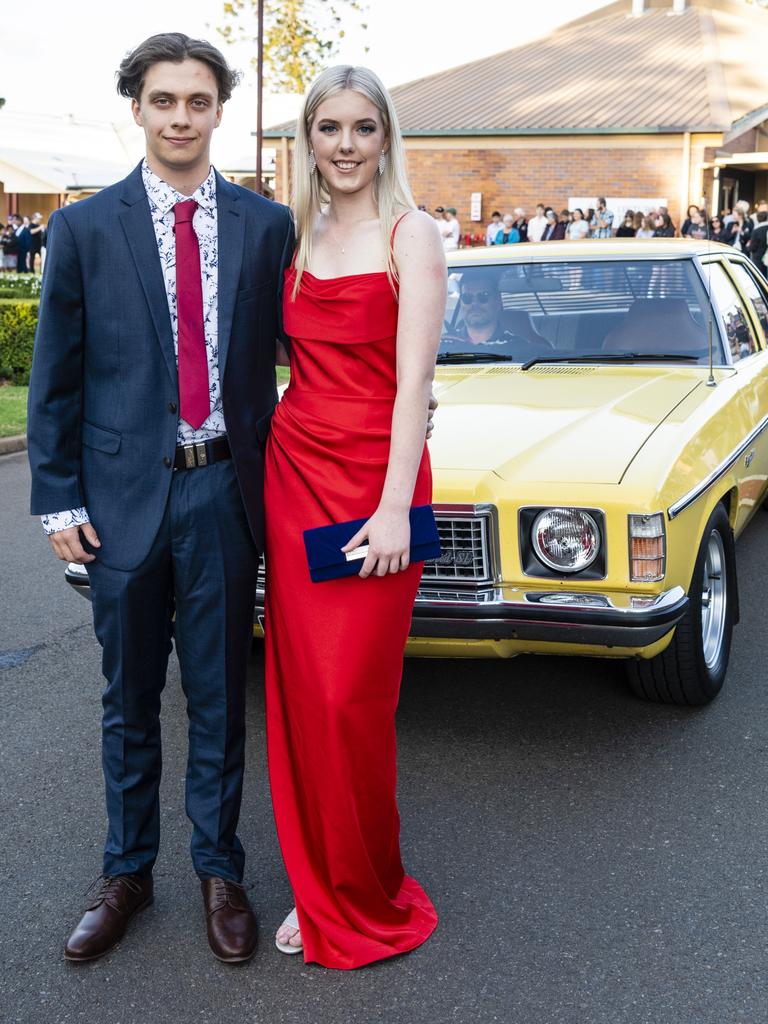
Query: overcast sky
point(61, 58)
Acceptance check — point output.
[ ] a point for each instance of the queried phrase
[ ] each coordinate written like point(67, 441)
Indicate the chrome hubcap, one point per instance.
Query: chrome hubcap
point(713, 600)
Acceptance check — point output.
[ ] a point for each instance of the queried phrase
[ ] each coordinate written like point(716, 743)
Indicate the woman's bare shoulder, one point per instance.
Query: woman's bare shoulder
point(416, 232)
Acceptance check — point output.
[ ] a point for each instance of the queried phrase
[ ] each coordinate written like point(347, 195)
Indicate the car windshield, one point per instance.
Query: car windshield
point(532, 312)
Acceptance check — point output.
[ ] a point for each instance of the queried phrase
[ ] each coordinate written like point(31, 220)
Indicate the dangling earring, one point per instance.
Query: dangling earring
point(312, 162)
point(382, 163)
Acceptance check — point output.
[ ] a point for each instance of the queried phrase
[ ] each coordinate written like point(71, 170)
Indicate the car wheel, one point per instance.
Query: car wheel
point(691, 670)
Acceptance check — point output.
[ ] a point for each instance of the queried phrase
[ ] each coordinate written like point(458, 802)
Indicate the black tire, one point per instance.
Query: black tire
point(682, 674)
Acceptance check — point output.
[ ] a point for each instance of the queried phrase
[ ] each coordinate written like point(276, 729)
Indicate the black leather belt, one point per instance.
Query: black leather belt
point(203, 453)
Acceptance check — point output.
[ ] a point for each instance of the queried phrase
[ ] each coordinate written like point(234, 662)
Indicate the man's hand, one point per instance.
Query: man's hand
point(67, 546)
point(433, 403)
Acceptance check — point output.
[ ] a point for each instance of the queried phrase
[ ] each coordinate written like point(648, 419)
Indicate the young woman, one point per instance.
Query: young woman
point(578, 229)
point(692, 210)
point(664, 226)
point(739, 231)
point(363, 307)
point(697, 226)
point(627, 227)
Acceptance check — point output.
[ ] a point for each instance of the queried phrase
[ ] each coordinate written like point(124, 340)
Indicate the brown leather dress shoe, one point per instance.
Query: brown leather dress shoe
point(231, 923)
point(116, 899)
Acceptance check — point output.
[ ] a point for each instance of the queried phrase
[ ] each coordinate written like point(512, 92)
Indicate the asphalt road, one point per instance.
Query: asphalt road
point(593, 858)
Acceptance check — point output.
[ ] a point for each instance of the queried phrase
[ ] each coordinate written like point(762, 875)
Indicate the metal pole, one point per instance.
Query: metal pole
point(259, 93)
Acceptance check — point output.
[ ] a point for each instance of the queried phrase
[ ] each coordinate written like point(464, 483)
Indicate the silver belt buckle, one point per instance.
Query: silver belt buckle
point(202, 453)
point(189, 456)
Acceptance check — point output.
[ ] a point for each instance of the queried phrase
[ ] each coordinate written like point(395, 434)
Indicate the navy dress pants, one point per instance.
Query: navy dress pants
point(202, 566)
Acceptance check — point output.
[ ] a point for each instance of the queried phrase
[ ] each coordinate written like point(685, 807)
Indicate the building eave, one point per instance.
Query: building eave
point(544, 132)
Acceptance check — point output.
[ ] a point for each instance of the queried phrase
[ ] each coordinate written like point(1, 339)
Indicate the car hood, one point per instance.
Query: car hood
point(564, 423)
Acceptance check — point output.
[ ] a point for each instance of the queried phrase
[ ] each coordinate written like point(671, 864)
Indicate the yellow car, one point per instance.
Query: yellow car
point(600, 442)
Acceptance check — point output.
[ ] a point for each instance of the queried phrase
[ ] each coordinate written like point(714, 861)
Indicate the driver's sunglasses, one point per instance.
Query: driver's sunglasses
point(469, 298)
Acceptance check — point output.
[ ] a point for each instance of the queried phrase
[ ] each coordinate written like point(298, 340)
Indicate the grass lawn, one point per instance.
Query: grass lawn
point(283, 375)
point(13, 411)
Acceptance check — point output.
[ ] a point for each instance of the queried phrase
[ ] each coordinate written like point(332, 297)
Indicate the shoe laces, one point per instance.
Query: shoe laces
point(227, 893)
point(109, 888)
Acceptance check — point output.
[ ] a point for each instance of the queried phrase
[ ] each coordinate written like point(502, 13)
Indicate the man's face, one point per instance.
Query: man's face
point(480, 303)
point(539, 211)
point(178, 110)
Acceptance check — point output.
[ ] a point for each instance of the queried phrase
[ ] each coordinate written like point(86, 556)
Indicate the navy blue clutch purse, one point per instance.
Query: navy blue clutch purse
point(328, 562)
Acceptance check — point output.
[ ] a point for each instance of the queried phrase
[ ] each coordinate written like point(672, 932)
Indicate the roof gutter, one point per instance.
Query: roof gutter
point(533, 132)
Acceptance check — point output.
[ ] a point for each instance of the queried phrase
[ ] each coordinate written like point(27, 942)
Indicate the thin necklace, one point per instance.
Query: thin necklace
point(336, 242)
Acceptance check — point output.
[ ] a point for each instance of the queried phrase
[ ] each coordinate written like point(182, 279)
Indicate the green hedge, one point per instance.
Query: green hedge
point(20, 286)
point(18, 321)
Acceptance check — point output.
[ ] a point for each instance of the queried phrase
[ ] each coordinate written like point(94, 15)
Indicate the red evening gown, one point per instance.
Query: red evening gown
point(334, 650)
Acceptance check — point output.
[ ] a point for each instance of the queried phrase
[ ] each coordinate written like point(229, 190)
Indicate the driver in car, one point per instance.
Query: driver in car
point(481, 329)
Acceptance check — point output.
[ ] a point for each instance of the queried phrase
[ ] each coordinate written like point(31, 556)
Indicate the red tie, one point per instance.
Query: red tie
point(194, 397)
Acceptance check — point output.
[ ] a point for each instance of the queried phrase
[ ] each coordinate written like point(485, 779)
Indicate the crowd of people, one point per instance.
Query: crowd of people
point(743, 227)
point(22, 241)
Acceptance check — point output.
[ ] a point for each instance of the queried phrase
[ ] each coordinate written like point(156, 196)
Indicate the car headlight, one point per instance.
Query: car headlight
point(565, 539)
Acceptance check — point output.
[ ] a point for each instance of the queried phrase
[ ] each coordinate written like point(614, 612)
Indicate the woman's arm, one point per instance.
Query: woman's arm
point(423, 285)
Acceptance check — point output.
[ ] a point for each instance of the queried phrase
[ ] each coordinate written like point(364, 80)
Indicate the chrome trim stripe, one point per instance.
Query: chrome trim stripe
point(564, 600)
point(696, 492)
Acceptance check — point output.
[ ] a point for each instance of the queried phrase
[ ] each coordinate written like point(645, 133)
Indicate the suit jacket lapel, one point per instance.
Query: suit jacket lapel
point(231, 229)
point(140, 235)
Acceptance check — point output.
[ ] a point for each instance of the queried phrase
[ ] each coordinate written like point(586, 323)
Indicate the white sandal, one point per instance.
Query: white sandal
point(292, 921)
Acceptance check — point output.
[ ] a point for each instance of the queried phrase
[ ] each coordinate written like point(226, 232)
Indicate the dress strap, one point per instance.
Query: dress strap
point(395, 227)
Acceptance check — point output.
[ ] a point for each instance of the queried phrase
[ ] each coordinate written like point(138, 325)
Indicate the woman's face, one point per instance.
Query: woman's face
point(347, 137)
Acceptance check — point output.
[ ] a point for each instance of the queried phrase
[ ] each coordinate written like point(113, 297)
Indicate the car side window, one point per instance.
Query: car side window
point(754, 290)
point(741, 338)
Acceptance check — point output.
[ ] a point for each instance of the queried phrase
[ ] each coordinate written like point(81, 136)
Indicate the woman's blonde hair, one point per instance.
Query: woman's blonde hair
point(310, 194)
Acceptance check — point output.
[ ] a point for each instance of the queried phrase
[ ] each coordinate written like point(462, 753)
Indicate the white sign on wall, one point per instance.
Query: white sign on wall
point(476, 206)
point(618, 205)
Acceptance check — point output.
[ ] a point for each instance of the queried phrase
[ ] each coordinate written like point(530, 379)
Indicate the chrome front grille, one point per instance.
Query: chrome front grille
point(468, 542)
point(466, 539)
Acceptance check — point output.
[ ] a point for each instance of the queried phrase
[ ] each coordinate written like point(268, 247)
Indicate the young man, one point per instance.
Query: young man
point(601, 224)
point(21, 226)
point(493, 228)
point(537, 225)
point(151, 390)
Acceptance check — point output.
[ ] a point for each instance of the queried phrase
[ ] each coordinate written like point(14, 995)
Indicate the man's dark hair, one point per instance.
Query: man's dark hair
point(495, 213)
point(762, 217)
point(477, 274)
point(174, 47)
point(601, 201)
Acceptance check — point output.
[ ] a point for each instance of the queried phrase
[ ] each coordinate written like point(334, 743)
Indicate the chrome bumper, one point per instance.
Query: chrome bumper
point(551, 616)
point(528, 615)
point(541, 616)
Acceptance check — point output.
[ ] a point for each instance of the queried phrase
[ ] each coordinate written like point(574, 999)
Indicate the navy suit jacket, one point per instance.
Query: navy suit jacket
point(104, 394)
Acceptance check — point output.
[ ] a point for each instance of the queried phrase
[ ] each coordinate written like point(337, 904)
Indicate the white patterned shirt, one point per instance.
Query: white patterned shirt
point(162, 199)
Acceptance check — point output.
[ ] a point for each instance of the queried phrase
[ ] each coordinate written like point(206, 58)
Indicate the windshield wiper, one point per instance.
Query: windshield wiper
point(612, 357)
point(474, 357)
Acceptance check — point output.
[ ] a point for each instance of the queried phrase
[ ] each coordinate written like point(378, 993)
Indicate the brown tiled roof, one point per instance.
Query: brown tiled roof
point(609, 72)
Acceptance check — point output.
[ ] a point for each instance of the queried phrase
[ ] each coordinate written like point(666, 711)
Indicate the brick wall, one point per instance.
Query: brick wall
point(525, 177)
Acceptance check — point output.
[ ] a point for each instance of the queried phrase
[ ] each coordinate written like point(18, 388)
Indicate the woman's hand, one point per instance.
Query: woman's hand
point(388, 535)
